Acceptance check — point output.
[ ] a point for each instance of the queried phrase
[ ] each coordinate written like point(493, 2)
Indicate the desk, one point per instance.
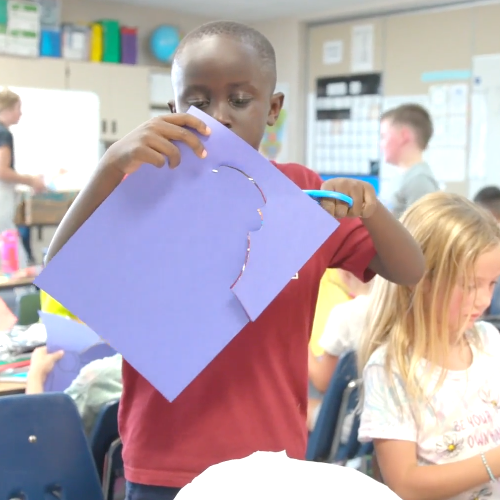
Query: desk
point(8, 388)
point(15, 282)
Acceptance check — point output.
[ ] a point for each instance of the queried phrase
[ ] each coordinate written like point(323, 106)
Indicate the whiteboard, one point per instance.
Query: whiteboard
point(484, 156)
point(58, 136)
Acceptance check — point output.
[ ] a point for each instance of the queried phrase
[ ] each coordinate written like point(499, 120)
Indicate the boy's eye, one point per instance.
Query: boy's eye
point(240, 101)
point(198, 103)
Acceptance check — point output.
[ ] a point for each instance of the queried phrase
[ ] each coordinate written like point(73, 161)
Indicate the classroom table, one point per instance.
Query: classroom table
point(16, 282)
point(9, 388)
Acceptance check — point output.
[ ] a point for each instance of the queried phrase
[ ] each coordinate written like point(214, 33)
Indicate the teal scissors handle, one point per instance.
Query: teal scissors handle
point(319, 194)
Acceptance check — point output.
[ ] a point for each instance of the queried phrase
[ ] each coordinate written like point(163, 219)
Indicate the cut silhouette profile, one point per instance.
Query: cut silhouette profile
point(163, 269)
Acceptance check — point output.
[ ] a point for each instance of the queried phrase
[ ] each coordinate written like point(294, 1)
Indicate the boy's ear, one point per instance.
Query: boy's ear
point(407, 134)
point(171, 105)
point(275, 108)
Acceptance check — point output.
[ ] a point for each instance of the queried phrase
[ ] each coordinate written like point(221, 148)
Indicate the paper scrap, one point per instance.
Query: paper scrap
point(80, 344)
point(7, 317)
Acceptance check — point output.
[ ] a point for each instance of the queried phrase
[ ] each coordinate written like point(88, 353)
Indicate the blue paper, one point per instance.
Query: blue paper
point(157, 269)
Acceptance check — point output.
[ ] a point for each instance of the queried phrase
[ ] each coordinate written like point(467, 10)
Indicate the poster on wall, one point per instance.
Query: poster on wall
point(274, 145)
point(485, 123)
point(362, 51)
point(344, 114)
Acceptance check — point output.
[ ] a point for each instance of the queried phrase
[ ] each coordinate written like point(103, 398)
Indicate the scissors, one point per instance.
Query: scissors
point(319, 194)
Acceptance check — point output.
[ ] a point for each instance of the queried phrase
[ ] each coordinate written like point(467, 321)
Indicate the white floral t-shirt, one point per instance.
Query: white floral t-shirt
point(462, 420)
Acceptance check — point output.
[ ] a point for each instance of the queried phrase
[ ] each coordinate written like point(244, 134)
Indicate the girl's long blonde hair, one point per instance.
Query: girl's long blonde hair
point(452, 233)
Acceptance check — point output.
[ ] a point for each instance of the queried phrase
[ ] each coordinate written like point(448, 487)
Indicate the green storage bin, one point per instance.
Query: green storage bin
point(3, 12)
point(111, 40)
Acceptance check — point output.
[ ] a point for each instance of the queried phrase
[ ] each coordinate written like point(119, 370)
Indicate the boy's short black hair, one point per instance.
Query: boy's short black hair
point(489, 194)
point(237, 31)
point(489, 198)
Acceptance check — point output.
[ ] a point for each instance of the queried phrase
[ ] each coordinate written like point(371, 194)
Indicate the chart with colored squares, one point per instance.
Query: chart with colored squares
point(344, 135)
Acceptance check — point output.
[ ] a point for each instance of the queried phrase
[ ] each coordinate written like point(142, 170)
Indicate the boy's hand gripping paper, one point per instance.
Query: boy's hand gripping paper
point(80, 345)
point(174, 263)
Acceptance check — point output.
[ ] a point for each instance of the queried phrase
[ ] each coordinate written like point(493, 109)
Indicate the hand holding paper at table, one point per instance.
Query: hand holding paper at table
point(80, 345)
point(152, 269)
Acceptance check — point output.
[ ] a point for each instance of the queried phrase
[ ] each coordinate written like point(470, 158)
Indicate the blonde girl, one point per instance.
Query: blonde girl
point(431, 370)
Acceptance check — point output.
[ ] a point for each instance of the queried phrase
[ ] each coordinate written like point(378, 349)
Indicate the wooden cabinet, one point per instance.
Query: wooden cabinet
point(123, 93)
point(42, 73)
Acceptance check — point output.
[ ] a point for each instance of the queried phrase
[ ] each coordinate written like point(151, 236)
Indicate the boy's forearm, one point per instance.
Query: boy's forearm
point(399, 259)
point(104, 181)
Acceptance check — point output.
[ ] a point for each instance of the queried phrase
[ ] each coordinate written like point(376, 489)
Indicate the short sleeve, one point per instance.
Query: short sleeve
point(336, 338)
point(5, 138)
point(353, 249)
point(386, 413)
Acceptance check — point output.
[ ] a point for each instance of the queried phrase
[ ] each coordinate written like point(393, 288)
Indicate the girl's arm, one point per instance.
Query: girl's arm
point(398, 463)
point(321, 370)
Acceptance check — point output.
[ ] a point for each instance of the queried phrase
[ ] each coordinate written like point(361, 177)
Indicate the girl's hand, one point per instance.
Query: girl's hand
point(152, 142)
point(42, 362)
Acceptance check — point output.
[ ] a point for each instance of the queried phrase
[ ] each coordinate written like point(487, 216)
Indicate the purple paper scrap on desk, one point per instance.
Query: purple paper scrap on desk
point(80, 344)
point(152, 270)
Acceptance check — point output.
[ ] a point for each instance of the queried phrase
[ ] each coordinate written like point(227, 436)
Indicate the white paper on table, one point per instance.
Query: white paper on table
point(270, 476)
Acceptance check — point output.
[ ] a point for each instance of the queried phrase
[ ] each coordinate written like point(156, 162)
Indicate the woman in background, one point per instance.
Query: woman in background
point(10, 114)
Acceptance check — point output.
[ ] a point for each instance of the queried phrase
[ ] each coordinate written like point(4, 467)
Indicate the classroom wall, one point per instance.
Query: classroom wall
point(145, 18)
point(288, 37)
point(410, 44)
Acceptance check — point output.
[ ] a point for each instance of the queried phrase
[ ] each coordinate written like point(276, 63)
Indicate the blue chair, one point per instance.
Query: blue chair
point(45, 453)
point(114, 469)
point(106, 451)
point(340, 400)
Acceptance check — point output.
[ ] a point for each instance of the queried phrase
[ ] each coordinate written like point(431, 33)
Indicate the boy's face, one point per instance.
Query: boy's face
point(392, 140)
point(226, 79)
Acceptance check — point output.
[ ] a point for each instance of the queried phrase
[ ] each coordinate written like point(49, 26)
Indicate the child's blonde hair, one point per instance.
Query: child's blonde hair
point(8, 99)
point(452, 233)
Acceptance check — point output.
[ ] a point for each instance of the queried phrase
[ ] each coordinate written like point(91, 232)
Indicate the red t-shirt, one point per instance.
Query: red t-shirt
point(253, 396)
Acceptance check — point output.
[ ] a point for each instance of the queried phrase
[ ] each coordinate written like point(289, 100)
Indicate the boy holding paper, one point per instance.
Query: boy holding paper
point(253, 396)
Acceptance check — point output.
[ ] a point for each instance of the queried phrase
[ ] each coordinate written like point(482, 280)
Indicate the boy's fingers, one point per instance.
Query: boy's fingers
point(186, 120)
point(173, 132)
point(370, 203)
point(358, 202)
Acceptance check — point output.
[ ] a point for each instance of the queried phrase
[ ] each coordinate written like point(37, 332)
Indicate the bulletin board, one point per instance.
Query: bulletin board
point(424, 57)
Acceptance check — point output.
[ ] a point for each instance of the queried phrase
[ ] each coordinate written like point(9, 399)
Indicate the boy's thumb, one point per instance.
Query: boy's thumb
point(58, 355)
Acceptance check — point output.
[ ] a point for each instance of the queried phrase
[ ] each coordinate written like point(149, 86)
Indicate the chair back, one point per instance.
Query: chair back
point(28, 306)
point(103, 435)
point(45, 453)
point(340, 400)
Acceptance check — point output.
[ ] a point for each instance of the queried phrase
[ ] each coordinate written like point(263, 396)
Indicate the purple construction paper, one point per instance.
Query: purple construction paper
point(152, 269)
point(80, 345)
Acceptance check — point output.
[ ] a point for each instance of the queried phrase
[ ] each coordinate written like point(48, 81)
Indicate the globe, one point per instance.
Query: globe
point(164, 41)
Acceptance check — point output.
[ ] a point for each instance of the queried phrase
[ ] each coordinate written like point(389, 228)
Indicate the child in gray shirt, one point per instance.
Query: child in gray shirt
point(405, 134)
